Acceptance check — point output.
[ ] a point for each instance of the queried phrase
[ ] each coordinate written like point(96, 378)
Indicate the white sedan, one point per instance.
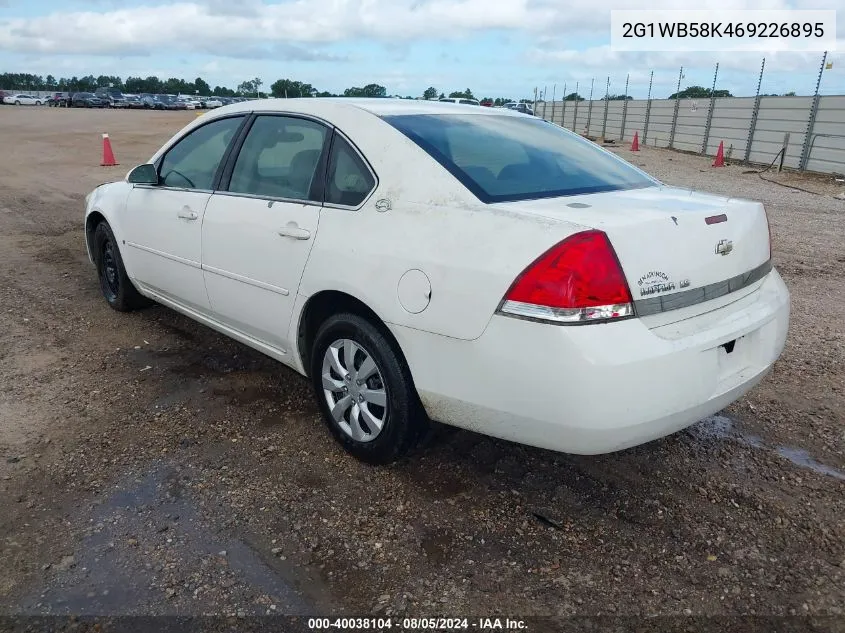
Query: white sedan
point(423, 260)
point(23, 99)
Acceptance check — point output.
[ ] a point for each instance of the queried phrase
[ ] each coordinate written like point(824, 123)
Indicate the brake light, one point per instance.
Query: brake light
point(576, 281)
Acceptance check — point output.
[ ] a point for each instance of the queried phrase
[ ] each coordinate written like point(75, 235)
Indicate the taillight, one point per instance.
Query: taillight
point(576, 281)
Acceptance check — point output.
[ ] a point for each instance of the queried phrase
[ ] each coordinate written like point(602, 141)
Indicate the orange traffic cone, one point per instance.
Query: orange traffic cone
point(720, 155)
point(635, 146)
point(108, 154)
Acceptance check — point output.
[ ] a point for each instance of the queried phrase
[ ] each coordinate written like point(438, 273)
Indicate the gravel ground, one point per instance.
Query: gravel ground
point(151, 466)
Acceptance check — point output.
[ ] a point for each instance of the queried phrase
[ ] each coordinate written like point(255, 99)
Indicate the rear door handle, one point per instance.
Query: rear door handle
point(292, 230)
point(187, 214)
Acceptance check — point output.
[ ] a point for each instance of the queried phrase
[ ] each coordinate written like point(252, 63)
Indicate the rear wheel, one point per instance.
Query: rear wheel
point(17, 102)
point(114, 282)
point(364, 390)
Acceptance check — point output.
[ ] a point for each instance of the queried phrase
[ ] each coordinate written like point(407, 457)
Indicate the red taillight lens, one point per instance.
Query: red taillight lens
point(577, 281)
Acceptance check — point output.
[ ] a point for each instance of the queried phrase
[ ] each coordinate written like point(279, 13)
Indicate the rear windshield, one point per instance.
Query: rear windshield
point(508, 158)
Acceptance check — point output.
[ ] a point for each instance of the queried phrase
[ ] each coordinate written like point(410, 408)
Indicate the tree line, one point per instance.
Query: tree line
point(279, 88)
point(248, 88)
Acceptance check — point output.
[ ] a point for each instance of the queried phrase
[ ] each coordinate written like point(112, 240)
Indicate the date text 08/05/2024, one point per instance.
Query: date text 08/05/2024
point(418, 624)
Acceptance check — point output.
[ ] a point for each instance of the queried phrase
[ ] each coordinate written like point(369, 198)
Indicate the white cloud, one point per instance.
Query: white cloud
point(562, 35)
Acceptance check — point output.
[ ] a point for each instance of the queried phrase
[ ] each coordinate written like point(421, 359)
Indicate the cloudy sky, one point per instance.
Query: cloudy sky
point(494, 47)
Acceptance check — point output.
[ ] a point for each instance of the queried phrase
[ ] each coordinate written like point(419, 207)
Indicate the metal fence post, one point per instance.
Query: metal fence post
point(545, 100)
point(606, 103)
point(648, 108)
point(624, 110)
point(710, 113)
point(677, 109)
point(575, 118)
point(811, 121)
point(590, 106)
point(554, 91)
point(563, 107)
point(754, 113)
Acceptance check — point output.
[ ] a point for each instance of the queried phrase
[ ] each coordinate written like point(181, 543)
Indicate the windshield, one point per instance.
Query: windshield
point(506, 158)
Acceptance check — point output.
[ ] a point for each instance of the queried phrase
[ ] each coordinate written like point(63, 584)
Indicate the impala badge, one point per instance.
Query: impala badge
point(724, 247)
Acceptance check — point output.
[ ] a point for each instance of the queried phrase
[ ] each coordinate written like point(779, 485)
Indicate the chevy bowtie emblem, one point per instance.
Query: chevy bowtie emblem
point(724, 247)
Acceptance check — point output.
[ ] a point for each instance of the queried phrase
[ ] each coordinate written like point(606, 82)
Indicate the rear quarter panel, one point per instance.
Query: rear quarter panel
point(469, 251)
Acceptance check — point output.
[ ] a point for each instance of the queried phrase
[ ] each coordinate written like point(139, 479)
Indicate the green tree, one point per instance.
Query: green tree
point(466, 94)
point(699, 92)
point(291, 89)
point(573, 96)
point(246, 88)
point(430, 93)
point(370, 90)
point(201, 86)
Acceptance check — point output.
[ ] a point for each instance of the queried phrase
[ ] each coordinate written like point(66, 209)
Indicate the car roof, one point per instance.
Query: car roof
point(376, 106)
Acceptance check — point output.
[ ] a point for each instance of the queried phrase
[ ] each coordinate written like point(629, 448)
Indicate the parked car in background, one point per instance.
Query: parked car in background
point(211, 102)
point(520, 107)
point(161, 102)
point(59, 100)
point(86, 100)
point(111, 97)
point(116, 101)
point(134, 102)
point(187, 103)
point(460, 100)
point(23, 99)
point(147, 100)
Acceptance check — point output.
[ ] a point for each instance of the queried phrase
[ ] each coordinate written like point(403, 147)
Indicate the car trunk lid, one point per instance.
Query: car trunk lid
point(683, 253)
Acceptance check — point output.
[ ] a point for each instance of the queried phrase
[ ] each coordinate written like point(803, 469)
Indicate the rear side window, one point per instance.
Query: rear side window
point(279, 158)
point(349, 180)
point(509, 158)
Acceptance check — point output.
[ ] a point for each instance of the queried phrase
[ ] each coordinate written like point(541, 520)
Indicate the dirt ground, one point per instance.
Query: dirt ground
point(151, 466)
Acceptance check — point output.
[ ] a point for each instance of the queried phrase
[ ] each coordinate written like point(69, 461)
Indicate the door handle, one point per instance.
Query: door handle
point(292, 230)
point(187, 214)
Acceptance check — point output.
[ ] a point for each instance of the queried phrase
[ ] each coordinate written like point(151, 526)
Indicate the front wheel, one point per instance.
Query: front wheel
point(115, 284)
point(17, 102)
point(38, 103)
point(364, 390)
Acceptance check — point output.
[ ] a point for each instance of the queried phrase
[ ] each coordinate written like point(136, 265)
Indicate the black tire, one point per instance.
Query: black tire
point(405, 421)
point(115, 285)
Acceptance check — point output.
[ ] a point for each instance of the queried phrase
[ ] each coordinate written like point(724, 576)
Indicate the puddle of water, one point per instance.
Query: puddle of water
point(722, 427)
point(110, 575)
point(802, 458)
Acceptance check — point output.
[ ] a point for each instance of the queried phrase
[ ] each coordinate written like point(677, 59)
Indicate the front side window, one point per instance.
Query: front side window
point(279, 159)
point(192, 163)
point(349, 180)
point(507, 158)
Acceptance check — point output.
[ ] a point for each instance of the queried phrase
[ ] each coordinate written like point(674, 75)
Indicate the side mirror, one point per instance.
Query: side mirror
point(143, 175)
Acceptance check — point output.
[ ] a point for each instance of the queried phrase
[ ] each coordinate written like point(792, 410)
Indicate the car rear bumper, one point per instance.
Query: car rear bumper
point(598, 388)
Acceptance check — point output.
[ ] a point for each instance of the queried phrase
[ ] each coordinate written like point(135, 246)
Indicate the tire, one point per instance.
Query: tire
point(402, 418)
point(17, 102)
point(38, 103)
point(115, 285)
